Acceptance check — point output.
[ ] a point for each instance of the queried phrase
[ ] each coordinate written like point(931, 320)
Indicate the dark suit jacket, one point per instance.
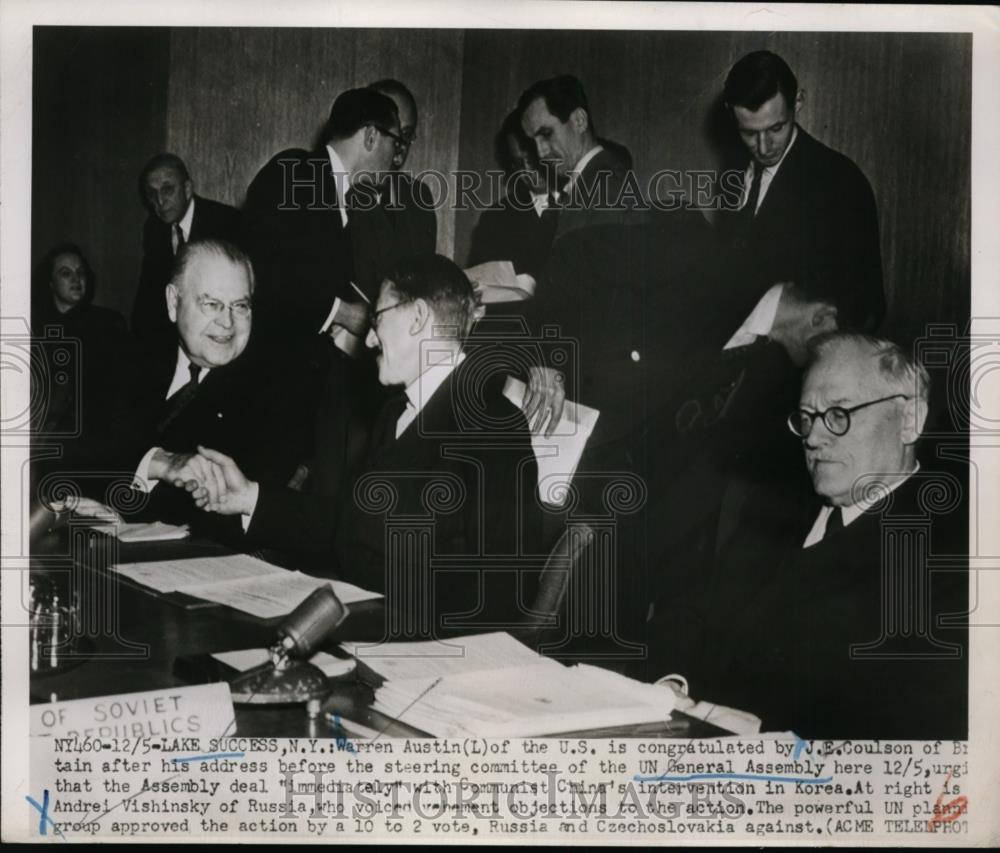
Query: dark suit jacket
point(467, 474)
point(644, 299)
point(211, 219)
point(818, 215)
point(513, 231)
point(772, 631)
point(265, 435)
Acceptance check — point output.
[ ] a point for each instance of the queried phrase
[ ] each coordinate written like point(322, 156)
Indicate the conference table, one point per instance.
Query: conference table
point(138, 640)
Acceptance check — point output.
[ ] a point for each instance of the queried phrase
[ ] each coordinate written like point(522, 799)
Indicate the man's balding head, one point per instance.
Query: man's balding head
point(209, 299)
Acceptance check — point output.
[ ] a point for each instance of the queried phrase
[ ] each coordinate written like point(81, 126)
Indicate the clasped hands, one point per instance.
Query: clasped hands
point(214, 480)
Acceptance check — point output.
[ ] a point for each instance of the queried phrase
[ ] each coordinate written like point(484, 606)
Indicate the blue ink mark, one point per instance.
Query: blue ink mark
point(208, 757)
point(342, 741)
point(799, 746)
point(752, 777)
point(43, 811)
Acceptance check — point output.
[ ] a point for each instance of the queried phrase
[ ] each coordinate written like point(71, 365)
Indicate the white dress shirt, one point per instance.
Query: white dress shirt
point(766, 177)
point(343, 180)
point(850, 513)
point(423, 387)
point(182, 375)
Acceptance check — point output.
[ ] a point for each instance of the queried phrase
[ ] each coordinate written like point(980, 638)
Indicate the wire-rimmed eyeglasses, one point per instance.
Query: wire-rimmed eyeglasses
point(836, 419)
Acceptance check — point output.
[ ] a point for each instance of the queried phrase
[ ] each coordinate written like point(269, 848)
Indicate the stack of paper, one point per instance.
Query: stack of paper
point(498, 690)
point(239, 581)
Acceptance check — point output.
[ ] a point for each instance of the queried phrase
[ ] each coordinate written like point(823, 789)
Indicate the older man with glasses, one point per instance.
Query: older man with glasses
point(828, 621)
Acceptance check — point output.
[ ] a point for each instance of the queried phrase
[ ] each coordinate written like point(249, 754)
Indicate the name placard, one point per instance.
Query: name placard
point(204, 710)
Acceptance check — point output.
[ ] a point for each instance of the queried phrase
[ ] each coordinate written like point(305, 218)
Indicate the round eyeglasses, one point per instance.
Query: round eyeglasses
point(836, 419)
point(214, 309)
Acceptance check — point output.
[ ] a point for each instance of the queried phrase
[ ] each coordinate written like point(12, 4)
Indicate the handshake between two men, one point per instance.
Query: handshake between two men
point(214, 480)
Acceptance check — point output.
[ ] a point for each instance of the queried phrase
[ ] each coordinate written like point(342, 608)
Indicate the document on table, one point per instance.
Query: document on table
point(544, 699)
point(275, 595)
point(156, 531)
point(239, 581)
point(175, 575)
point(430, 659)
point(558, 455)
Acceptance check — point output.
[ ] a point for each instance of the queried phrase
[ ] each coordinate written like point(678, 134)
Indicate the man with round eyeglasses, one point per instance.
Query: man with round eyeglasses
point(862, 409)
point(826, 617)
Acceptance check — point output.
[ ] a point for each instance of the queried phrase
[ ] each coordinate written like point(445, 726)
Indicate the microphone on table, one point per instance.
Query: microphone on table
point(288, 677)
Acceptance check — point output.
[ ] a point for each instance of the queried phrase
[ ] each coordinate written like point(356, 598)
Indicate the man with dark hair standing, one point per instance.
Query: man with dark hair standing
point(800, 206)
point(176, 216)
point(298, 223)
point(453, 457)
point(589, 176)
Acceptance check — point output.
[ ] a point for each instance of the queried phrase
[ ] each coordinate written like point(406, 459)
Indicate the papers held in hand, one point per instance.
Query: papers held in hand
point(503, 689)
point(495, 281)
point(559, 454)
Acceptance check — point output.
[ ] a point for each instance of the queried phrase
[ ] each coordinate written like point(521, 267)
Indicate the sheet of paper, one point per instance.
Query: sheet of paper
point(495, 281)
point(174, 575)
point(271, 596)
point(245, 659)
point(156, 531)
point(558, 455)
point(428, 660)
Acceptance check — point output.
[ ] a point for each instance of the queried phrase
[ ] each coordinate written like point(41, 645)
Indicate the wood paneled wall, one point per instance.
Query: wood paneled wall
point(99, 113)
point(227, 99)
point(897, 104)
point(238, 96)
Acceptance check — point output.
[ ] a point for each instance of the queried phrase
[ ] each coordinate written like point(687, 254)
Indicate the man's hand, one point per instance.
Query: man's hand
point(544, 399)
point(239, 496)
point(183, 468)
point(353, 316)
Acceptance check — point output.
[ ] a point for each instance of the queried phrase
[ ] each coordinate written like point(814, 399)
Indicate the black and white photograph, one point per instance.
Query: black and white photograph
point(563, 422)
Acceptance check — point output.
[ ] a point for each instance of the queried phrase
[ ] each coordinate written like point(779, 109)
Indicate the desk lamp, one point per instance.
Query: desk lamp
point(288, 677)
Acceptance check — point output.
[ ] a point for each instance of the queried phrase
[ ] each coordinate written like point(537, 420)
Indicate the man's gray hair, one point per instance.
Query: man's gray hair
point(899, 370)
point(221, 248)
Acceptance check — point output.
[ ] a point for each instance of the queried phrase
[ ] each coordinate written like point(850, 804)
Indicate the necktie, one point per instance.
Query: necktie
point(180, 399)
point(834, 522)
point(179, 235)
point(750, 208)
point(384, 433)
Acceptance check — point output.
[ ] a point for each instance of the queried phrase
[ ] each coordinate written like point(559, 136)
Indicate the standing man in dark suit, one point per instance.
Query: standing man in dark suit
point(176, 216)
point(826, 619)
point(802, 207)
point(298, 223)
point(449, 473)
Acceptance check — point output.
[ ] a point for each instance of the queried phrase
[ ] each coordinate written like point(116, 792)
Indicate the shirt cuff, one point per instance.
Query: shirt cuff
point(761, 319)
point(247, 517)
point(329, 317)
point(141, 479)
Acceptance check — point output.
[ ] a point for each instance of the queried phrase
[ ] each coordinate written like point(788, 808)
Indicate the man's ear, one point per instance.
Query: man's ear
point(188, 189)
point(824, 319)
point(370, 138)
point(173, 297)
point(579, 119)
point(914, 418)
point(800, 100)
point(421, 316)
